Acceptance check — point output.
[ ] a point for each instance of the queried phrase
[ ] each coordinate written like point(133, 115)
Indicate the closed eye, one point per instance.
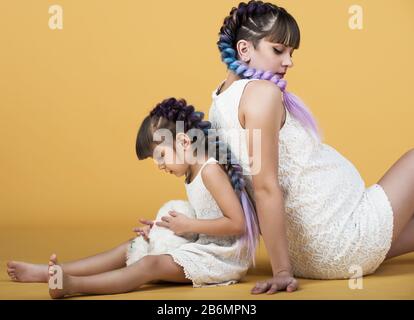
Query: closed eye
point(280, 52)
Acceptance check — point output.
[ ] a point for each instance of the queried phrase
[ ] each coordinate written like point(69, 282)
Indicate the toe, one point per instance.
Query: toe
point(53, 258)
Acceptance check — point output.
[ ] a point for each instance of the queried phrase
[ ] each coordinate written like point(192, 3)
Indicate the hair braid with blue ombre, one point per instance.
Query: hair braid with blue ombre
point(252, 22)
point(165, 116)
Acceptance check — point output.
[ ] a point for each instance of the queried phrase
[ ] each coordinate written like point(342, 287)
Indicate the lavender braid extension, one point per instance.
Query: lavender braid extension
point(235, 172)
point(226, 44)
point(177, 110)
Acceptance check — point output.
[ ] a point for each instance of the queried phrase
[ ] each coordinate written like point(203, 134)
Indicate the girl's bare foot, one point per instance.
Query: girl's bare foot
point(27, 272)
point(59, 282)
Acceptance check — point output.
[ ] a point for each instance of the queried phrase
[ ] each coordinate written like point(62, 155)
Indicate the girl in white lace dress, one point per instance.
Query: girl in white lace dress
point(219, 256)
point(225, 222)
point(317, 218)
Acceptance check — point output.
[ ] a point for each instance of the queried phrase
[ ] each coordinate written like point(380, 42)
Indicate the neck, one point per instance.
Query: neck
point(231, 77)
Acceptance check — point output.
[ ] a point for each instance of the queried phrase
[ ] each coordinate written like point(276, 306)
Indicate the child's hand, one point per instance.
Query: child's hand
point(144, 231)
point(176, 222)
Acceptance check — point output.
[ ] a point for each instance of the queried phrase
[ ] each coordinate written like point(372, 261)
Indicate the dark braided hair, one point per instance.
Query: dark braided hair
point(257, 20)
point(166, 115)
point(254, 21)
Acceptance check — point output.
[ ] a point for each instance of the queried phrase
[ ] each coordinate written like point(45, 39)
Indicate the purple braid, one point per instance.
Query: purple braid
point(255, 16)
point(235, 173)
point(177, 110)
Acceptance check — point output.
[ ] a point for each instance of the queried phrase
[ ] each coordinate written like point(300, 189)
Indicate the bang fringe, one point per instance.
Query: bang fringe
point(285, 30)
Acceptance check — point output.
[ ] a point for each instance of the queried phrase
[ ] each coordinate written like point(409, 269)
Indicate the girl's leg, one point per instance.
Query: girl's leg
point(404, 243)
point(148, 269)
point(398, 184)
point(102, 262)
point(109, 260)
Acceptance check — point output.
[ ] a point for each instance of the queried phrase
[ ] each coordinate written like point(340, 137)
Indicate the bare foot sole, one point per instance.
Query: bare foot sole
point(59, 282)
point(27, 272)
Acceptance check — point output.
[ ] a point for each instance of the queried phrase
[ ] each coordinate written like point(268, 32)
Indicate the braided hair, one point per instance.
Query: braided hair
point(258, 20)
point(165, 115)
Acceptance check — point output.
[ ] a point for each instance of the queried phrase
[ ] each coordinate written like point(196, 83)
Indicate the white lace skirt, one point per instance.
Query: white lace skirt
point(210, 264)
point(360, 247)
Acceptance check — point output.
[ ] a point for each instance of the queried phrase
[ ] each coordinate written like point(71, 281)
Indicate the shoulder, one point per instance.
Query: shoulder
point(213, 174)
point(261, 89)
point(262, 99)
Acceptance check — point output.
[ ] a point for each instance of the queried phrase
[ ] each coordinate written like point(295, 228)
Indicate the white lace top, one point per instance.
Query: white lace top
point(211, 260)
point(333, 222)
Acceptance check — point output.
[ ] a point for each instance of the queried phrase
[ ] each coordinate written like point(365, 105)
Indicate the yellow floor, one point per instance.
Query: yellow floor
point(393, 280)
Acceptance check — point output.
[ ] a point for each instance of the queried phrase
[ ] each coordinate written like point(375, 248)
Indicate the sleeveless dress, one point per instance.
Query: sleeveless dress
point(335, 225)
point(211, 260)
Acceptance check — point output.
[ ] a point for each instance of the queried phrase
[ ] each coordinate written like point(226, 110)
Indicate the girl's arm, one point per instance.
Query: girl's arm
point(217, 183)
point(261, 107)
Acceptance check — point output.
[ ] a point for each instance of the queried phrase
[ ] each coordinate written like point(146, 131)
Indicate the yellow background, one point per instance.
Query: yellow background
point(71, 100)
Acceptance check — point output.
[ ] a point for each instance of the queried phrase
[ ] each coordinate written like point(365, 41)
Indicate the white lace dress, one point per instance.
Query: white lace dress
point(333, 222)
point(211, 260)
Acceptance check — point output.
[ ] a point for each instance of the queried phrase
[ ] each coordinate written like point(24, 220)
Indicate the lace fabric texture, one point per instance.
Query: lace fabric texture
point(211, 260)
point(333, 221)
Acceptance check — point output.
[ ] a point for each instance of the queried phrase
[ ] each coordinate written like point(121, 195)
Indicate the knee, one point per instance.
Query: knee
point(410, 156)
point(150, 262)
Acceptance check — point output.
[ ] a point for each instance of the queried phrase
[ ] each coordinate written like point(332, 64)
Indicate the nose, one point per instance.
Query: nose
point(287, 61)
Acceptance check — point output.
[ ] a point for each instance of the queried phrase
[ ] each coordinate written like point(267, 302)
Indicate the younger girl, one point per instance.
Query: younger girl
point(225, 219)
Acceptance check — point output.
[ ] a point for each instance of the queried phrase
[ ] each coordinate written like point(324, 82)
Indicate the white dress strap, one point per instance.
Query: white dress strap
point(198, 175)
point(209, 160)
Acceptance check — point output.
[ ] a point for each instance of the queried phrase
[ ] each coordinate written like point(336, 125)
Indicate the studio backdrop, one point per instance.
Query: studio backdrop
point(77, 78)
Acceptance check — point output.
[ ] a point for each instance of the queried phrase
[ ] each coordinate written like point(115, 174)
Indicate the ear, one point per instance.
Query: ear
point(183, 140)
point(244, 49)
